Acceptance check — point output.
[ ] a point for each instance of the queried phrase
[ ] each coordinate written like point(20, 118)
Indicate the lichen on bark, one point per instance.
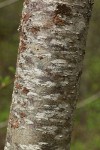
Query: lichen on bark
point(49, 65)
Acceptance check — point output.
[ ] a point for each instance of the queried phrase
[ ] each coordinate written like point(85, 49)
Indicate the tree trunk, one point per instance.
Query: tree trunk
point(49, 66)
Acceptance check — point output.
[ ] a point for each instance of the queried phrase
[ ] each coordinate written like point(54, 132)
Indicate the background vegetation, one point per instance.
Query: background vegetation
point(86, 133)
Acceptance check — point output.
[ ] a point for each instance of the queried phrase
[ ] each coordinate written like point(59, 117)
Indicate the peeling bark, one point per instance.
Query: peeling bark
point(49, 66)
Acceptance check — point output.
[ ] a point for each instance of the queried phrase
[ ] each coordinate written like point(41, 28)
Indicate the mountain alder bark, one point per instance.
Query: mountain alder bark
point(49, 66)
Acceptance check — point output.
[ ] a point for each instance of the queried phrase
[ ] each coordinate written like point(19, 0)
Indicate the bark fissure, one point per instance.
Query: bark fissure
point(49, 66)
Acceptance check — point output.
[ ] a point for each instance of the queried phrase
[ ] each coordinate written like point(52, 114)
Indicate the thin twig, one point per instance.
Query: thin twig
point(5, 86)
point(7, 2)
point(88, 100)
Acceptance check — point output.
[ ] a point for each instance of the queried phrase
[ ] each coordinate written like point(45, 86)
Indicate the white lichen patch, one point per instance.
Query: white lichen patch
point(41, 115)
point(39, 129)
point(52, 96)
point(58, 42)
point(59, 62)
point(16, 114)
point(65, 106)
point(50, 129)
point(64, 83)
point(38, 72)
point(36, 81)
point(47, 106)
point(30, 108)
point(29, 147)
point(42, 143)
point(59, 137)
point(48, 84)
point(33, 1)
point(44, 55)
point(29, 122)
point(47, 97)
point(8, 144)
point(30, 94)
point(38, 48)
point(22, 127)
point(7, 147)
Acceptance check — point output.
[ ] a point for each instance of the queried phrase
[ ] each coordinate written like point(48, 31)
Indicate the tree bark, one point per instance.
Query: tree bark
point(49, 66)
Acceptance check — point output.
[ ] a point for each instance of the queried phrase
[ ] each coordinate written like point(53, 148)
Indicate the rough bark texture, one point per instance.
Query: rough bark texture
point(49, 65)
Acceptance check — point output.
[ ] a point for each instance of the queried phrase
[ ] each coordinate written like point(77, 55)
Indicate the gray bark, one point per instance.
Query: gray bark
point(49, 66)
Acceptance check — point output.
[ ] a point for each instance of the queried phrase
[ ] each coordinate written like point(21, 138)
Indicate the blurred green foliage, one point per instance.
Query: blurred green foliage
point(86, 133)
point(86, 122)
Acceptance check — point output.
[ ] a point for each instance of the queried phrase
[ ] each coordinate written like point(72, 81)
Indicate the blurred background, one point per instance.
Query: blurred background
point(86, 132)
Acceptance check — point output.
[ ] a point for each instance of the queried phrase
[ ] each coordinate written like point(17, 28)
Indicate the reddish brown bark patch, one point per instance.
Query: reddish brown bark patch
point(25, 90)
point(58, 21)
point(22, 115)
point(35, 30)
point(22, 47)
point(26, 17)
point(18, 86)
point(14, 123)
